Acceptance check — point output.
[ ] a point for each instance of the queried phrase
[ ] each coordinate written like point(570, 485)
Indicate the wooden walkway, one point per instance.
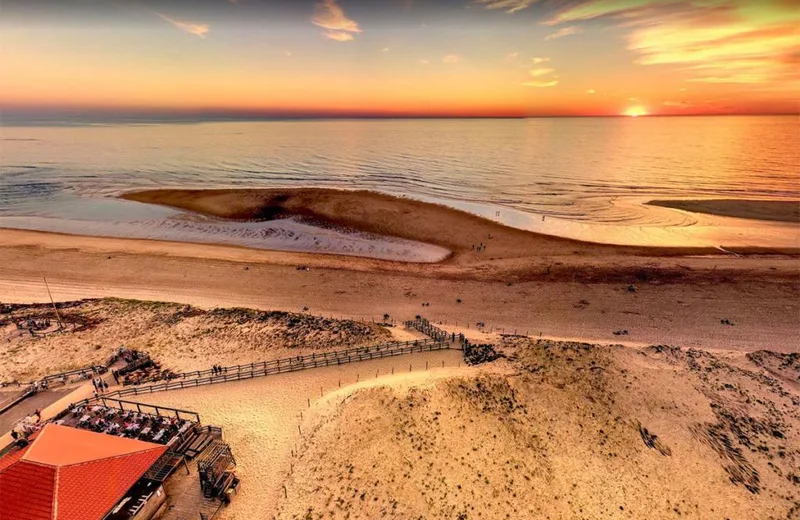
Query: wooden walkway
point(281, 366)
point(185, 498)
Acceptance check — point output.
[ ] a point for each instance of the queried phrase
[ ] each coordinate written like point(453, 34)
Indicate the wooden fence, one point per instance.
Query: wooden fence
point(82, 373)
point(341, 356)
point(282, 366)
point(431, 330)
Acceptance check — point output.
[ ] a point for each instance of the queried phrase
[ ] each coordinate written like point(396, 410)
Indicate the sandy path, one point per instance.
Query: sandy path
point(260, 417)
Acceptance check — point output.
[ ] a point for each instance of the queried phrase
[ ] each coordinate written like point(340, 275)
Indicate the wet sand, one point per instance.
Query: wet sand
point(770, 210)
point(380, 214)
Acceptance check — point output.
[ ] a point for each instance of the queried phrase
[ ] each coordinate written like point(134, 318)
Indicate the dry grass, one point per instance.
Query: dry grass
point(181, 337)
point(578, 432)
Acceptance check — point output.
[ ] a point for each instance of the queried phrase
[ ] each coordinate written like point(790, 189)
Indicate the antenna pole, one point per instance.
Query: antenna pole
point(58, 316)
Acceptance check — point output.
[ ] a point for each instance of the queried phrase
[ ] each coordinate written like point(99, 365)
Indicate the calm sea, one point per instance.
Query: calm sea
point(588, 176)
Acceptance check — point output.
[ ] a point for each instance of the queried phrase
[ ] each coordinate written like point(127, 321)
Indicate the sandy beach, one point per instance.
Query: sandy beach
point(772, 210)
point(677, 300)
point(690, 362)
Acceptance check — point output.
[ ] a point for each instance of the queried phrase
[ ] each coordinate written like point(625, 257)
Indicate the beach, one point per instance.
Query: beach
point(622, 366)
point(677, 300)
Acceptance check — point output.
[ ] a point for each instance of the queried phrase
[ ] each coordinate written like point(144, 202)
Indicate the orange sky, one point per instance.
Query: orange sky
point(393, 57)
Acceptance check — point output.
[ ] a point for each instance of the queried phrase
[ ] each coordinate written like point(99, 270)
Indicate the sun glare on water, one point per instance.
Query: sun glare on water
point(635, 112)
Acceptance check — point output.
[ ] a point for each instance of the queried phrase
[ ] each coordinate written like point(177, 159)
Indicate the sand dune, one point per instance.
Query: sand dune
point(260, 417)
point(577, 431)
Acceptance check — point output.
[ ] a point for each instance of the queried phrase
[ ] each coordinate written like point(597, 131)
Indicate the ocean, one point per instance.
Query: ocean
point(589, 177)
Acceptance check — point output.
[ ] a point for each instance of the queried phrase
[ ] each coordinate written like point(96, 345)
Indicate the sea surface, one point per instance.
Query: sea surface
point(585, 178)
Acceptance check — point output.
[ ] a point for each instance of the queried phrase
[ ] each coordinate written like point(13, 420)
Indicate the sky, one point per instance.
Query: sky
point(398, 58)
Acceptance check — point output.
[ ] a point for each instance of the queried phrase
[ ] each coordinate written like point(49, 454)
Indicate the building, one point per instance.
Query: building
point(72, 474)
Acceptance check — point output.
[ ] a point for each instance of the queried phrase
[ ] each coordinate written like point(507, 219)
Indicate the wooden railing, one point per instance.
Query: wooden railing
point(431, 330)
point(83, 373)
point(282, 366)
point(339, 355)
point(110, 401)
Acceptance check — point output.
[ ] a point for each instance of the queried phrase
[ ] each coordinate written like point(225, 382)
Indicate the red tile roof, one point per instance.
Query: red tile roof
point(71, 474)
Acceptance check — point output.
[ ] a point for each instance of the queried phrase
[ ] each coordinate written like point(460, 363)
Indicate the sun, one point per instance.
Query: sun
point(635, 112)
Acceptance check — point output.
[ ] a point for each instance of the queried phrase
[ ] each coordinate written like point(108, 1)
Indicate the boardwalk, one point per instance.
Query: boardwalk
point(281, 366)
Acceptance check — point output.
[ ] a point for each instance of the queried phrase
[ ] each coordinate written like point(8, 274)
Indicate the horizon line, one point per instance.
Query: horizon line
point(128, 119)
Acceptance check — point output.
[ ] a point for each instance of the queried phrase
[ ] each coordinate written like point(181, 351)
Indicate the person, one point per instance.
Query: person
point(105, 385)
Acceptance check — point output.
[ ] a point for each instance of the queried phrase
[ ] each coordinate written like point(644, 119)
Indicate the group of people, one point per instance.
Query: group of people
point(218, 369)
point(26, 427)
point(99, 385)
point(127, 423)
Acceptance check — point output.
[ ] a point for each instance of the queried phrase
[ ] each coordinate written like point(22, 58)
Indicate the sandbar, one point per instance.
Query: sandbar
point(769, 210)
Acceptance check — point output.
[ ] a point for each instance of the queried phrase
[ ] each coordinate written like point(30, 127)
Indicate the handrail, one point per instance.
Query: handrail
point(282, 366)
point(277, 362)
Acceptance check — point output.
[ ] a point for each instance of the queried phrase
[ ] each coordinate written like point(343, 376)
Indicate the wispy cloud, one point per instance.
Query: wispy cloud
point(564, 31)
point(330, 16)
point(510, 6)
point(450, 58)
point(591, 91)
point(543, 76)
point(198, 29)
point(541, 72)
point(541, 84)
point(721, 41)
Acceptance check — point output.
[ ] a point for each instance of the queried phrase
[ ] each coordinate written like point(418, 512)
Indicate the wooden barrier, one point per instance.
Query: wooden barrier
point(285, 365)
point(350, 354)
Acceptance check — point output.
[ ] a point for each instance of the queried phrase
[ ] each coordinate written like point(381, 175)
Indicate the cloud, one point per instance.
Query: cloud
point(719, 41)
point(509, 6)
point(544, 76)
point(450, 58)
point(539, 60)
point(541, 84)
point(541, 72)
point(564, 31)
point(198, 29)
point(330, 16)
point(339, 36)
point(591, 91)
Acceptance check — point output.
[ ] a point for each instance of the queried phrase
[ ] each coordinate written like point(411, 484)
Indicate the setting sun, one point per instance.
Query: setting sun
point(635, 112)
